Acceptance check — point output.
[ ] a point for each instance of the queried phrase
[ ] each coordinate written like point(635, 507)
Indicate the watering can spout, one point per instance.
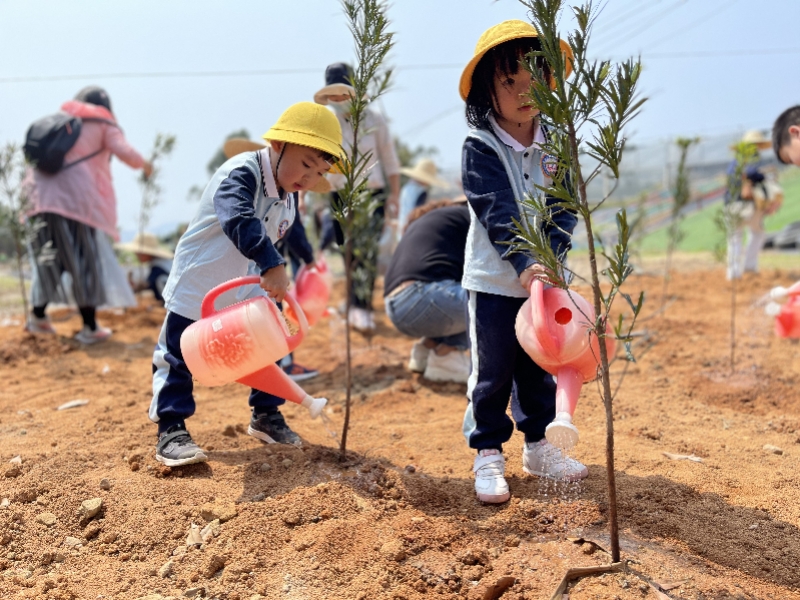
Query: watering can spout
point(272, 380)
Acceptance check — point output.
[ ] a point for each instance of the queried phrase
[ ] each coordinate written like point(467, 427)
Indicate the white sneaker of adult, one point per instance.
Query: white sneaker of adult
point(453, 366)
point(87, 336)
point(545, 460)
point(361, 320)
point(419, 357)
point(490, 481)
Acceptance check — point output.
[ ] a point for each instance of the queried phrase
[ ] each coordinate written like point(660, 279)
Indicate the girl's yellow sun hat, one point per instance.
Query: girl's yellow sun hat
point(308, 124)
point(494, 36)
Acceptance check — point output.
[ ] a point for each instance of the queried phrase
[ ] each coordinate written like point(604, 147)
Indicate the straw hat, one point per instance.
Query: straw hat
point(757, 138)
point(424, 171)
point(494, 36)
point(145, 243)
point(338, 81)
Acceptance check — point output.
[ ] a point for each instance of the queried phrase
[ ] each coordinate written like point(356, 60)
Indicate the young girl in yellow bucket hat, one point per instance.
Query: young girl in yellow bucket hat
point(244, 210)
point(503, 162)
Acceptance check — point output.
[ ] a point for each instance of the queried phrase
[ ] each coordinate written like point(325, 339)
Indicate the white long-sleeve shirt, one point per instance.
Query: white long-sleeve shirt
point(374, 137)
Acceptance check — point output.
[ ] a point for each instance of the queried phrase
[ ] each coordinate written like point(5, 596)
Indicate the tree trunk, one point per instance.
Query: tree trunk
point(600, 332)
point(348, 263)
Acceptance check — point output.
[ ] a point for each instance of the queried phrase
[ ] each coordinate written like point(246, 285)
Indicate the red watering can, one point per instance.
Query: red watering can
point(785, 307)
point(553, 328)
point(243, 341)
point(313, 290)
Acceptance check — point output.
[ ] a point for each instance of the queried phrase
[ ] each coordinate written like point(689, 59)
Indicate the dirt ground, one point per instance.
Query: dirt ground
point(398, 519)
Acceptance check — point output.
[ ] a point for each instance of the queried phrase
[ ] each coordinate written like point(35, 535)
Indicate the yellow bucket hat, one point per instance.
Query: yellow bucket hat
point(310, 125)
point(494, 36)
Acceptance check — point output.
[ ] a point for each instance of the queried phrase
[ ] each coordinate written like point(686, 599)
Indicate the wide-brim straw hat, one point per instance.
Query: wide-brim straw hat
point(494, 36)
point(145, 243)
point(338, 82)
point(757, 138)
point(424, 171)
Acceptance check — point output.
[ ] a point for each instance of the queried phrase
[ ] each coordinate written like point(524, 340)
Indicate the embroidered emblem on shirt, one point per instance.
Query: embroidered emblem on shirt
point(283, 227)
point(549, 165)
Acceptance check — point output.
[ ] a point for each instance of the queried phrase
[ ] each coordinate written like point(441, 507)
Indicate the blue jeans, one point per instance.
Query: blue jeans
point(435, 310)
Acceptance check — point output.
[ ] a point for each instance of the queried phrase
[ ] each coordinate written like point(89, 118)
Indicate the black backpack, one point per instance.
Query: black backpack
point(50, 138)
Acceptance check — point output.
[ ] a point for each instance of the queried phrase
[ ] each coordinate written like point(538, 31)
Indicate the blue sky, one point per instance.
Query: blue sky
point(711, 67)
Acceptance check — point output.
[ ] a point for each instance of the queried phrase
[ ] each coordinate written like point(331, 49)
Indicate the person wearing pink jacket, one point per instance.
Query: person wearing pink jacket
point(73, 211)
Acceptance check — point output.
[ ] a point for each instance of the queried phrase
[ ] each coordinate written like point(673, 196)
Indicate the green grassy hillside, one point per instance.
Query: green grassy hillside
point(701, 234)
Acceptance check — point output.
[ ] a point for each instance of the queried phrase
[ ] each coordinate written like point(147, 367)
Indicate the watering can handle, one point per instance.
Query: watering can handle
point(541, 325)
point(207, 307)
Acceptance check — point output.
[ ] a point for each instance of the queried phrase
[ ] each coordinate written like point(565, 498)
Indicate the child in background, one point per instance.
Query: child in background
point(246, 207)
point(755, 197)
point(502, 161)
point(786, 136)
point(156, 260)
point(414, 193)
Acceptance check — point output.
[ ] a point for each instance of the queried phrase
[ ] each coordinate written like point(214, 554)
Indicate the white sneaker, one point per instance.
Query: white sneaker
point(545, 460)
point(419, 358)
point(490, 481)
point(361, 320)
point(453, 366)
point(87, 336)
point(37, 325)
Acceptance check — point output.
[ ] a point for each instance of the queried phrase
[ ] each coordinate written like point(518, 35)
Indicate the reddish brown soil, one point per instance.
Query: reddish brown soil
point(398, 519)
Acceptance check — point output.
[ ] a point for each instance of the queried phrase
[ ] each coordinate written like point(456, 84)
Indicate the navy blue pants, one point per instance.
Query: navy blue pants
point(502, 369)
point(173, 401)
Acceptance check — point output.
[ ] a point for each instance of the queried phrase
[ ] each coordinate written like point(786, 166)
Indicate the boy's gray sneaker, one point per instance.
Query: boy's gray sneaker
point(176, 447)
point(273, 429)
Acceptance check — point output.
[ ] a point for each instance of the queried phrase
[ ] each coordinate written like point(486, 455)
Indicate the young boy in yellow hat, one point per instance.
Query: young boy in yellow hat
point(502, 162)
point(244, 210)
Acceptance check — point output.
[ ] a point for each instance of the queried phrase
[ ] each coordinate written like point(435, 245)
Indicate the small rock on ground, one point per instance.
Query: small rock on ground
point(46, 518)
point(90, 508)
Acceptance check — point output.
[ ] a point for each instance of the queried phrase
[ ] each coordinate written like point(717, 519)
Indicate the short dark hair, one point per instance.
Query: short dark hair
point(326, 156)
point(501, 60)
point(780, 130)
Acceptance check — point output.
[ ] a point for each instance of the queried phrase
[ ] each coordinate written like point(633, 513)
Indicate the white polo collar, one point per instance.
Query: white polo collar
point(270, 186)
point(505, 137)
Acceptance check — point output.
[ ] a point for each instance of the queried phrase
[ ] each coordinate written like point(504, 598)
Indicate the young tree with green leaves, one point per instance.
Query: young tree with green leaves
point(681, 195)
point(151, 188)
point(14, 203)
point(586, 113)
point(729, 219)
point(368, 24)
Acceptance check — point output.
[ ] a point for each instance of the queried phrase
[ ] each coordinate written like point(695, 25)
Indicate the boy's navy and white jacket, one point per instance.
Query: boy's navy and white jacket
point(239, 219)
point(498, 172)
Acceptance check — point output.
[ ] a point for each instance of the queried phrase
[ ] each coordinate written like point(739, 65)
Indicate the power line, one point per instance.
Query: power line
point(638, 12)
point(725, 6)
point(186, 74)
point(649, 21)
point(444, 66)
point(719, 53)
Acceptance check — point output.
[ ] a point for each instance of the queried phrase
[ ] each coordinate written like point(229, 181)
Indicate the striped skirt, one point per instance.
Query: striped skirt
point(58, 246)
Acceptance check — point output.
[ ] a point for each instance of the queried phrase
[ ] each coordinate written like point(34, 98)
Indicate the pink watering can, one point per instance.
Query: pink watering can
point(553, 328)
point(785, 307)
point(313, 290)
point(243, 341)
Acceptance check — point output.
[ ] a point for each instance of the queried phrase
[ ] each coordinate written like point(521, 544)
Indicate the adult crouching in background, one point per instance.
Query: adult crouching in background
point(423, 294)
